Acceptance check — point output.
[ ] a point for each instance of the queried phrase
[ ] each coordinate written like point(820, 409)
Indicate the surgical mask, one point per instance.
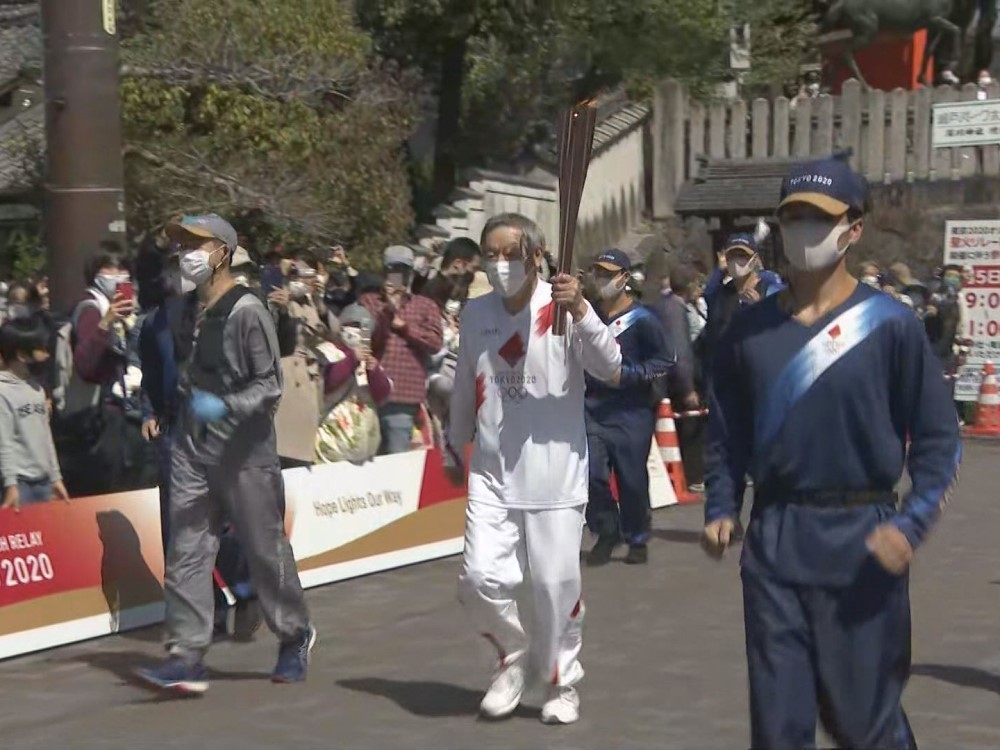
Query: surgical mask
point(506, 277)
point(18, 310)
point(352, 337)
point(195, 268)
point(952, 283)
point(106, 283)
point(241, 280)
point(871, 281)
point(812, 245)
point(611, 290)
point(298, 289)
point(740, 269)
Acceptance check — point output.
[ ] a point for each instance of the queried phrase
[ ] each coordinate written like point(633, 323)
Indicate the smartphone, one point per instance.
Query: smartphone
point(271, 278)
point(125, 290)
point(361, 373)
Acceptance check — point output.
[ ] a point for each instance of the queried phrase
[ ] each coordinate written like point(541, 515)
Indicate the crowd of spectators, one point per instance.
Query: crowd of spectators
point(368, 359)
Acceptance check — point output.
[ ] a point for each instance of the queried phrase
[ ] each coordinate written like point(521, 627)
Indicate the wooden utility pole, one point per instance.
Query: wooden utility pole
point(84, 177)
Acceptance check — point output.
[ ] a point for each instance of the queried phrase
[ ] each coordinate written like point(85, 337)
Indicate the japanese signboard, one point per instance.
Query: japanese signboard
point(966, 124)
point(975, 245)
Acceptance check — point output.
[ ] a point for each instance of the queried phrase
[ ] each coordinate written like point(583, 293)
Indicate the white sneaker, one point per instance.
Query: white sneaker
point(562, 707)
point(505, 693)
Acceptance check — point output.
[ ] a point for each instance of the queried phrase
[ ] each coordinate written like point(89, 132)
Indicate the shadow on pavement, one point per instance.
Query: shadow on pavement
point(425, 698)
point(684, 536)
point(151, 634)
point(123, 665)
point(962, 676)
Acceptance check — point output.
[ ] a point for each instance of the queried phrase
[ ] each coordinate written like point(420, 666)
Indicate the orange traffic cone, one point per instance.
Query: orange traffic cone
point(670, 452)
point(987, 422)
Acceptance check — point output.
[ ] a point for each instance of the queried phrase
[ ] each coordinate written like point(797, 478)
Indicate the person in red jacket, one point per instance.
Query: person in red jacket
point(407, 333)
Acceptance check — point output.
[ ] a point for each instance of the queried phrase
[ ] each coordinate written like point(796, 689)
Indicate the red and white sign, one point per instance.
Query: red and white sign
point(94, 566)
point(976, 245)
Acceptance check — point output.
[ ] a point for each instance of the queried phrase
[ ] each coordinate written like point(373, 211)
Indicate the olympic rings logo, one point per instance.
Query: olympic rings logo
point(512, 393)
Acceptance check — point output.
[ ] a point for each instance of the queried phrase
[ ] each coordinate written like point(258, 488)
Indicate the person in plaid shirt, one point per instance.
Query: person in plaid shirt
point(407, 333)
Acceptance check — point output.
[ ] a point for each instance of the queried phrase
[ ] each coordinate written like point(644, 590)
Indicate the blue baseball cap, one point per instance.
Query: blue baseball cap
point(743, 241)
point(828, 184)
point(613, 259)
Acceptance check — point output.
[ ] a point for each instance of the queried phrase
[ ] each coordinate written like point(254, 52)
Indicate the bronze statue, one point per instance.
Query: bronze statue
point(975, 20)
point(866, 19)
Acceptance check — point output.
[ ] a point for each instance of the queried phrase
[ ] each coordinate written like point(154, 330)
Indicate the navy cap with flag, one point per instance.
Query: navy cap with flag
point(614, 259)
point(828, 184)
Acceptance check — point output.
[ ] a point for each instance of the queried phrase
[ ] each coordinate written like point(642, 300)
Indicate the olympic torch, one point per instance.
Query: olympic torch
point(576, 141)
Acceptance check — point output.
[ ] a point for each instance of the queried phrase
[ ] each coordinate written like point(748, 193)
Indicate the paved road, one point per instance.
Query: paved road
point(396, 666)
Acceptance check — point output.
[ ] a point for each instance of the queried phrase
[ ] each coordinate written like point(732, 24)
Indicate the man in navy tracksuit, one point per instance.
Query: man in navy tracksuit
point(745, 282)
point(620, 419)
point(819, 390)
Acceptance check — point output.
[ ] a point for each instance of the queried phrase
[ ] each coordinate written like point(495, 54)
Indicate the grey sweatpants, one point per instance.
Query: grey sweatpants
point(253, 499)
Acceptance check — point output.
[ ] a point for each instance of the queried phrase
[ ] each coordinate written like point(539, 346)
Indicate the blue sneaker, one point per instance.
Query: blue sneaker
point(293, 659)
point(177, 675)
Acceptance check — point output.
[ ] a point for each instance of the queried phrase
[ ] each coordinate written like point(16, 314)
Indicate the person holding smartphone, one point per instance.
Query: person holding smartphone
point(407, 333)
point(100, 425)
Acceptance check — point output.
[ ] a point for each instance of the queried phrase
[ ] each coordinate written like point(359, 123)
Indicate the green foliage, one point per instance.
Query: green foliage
point(274, 114)
point(22, 252)
point(527, 59)
point(782, 39)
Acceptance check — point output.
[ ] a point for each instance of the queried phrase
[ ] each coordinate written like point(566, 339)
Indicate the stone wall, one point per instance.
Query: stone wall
point(613, 202)
point(907, 219)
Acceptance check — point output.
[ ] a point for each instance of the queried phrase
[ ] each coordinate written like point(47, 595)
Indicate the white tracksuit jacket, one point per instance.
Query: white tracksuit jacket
point(519, 395)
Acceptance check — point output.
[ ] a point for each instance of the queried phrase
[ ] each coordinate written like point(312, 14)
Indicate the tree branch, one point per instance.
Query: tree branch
point(288, 202)
point(261, 81)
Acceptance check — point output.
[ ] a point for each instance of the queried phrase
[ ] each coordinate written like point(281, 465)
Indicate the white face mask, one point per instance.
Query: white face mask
point(812, 245)
point(506, 277)
point(739, 269)
point(241, 280)
point(611, 290)
point(298, 289)
point(871, 281)
point(106, 283)
point(352, 337)
point(196, 268)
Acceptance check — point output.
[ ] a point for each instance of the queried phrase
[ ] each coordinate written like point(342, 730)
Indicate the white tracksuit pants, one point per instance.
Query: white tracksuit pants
point(500, 545)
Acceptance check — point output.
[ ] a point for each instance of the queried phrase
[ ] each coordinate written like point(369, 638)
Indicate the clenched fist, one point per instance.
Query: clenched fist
point(891, 548)
point(717, 537)
point(568, 292)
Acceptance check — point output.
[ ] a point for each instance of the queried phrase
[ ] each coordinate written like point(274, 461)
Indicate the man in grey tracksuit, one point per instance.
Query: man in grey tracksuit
point(225, 466)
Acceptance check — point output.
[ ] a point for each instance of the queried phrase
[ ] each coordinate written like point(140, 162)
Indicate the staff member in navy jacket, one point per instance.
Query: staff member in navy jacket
point(621, 418)
point(816, 391)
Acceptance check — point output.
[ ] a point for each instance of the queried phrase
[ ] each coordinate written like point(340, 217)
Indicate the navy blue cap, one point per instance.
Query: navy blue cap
point(743, 240)
point(613, 259)
point(828, 184)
